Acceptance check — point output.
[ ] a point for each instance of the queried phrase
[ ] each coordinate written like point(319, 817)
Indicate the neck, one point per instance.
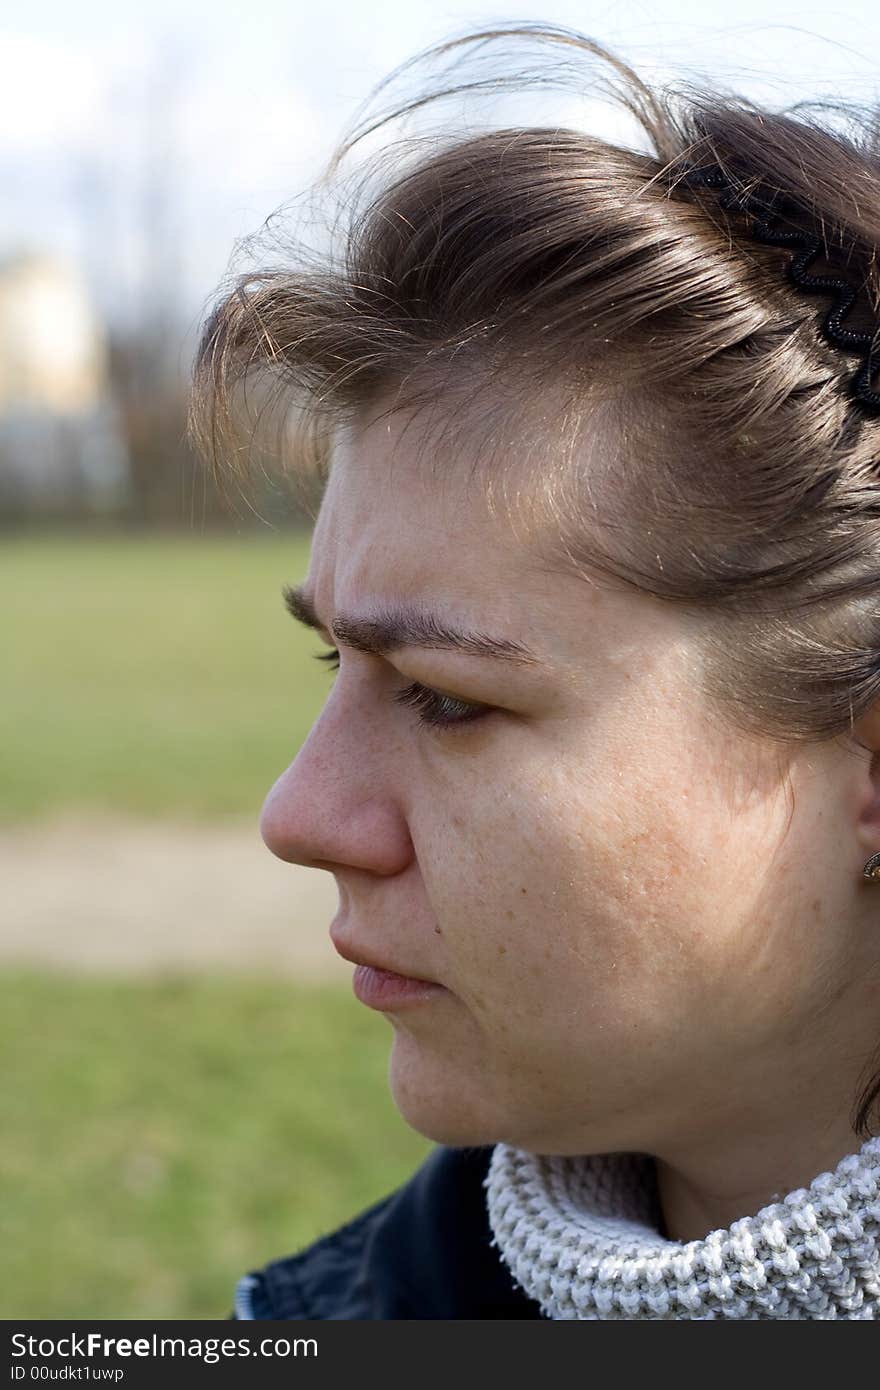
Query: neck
point(711, 1186)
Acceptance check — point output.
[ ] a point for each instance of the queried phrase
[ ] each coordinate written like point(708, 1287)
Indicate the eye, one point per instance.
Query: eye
point(434, 709)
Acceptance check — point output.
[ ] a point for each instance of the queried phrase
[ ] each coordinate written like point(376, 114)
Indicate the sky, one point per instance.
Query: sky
point(146, 139)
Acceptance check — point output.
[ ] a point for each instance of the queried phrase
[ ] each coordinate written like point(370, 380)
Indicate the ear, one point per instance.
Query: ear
point(866, 734)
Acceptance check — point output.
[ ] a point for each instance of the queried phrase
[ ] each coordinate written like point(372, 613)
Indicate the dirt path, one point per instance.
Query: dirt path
point(142, 897)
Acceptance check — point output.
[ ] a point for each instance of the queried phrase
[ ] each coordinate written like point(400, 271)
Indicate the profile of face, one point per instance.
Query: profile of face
point(647, 928)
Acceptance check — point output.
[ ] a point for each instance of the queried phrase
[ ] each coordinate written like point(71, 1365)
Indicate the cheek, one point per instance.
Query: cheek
point(624, 903)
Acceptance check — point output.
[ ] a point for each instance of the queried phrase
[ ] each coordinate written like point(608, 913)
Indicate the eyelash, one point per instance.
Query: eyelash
point(433, 708)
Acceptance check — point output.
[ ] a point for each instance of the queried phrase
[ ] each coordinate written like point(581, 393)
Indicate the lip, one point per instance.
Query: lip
point(389, 992)
point(358, 957)
point(380, 985)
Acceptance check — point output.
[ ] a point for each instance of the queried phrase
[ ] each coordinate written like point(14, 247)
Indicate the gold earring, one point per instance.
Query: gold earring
point(872, 868)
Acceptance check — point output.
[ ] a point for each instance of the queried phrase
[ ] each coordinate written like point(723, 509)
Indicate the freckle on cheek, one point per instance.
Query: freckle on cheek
point(502, 950)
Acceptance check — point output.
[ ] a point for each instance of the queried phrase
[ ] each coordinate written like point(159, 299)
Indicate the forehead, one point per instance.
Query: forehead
point(412, 509)
point(410, 515)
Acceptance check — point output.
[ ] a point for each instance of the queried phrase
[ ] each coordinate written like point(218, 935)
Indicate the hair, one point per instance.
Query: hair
point(583, 280)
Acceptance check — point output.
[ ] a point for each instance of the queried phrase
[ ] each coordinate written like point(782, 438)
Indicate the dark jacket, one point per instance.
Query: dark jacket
point(422, 1252)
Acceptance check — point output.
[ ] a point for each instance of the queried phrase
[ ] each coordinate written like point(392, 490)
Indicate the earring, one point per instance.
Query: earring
point(872, 868)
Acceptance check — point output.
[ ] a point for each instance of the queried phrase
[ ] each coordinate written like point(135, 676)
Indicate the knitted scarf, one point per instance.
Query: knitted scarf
point(582, 1237)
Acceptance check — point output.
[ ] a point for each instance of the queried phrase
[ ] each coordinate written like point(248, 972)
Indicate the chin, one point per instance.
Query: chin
point(437, 1101)
point(460, 1102)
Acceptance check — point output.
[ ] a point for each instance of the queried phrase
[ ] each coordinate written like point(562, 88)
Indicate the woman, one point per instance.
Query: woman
point(597, 435)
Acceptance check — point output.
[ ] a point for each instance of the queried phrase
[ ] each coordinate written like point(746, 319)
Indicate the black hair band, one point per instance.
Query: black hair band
point(765, 215)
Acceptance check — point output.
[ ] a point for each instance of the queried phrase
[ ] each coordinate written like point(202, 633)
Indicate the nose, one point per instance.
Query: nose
point(336, 806)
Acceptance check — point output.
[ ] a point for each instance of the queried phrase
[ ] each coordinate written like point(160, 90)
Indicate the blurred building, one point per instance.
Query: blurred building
point(62, 446)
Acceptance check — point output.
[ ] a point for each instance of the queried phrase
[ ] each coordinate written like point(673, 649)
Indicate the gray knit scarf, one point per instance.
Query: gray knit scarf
point(581, 1236)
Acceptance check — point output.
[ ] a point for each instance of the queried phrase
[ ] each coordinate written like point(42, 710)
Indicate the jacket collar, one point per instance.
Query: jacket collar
point(425, 1251)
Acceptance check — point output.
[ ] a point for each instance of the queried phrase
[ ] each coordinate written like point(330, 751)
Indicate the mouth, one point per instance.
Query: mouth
point(380, 984)
point(358, 957)
point(387, 991)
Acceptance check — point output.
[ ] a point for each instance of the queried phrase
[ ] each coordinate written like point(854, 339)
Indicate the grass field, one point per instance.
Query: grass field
point(151, 676)
point(162, 1138)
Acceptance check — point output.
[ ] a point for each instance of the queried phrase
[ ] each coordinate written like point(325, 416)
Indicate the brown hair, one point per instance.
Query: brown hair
point(568, 269)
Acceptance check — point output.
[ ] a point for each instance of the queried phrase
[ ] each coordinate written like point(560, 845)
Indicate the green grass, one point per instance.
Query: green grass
point(151, 676)
point(161, 1138)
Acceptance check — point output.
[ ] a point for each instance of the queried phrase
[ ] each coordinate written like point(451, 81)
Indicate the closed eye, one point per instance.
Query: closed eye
point(433, 708)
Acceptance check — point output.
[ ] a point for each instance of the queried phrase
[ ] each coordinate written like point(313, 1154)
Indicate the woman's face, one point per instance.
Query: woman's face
point(635, 936)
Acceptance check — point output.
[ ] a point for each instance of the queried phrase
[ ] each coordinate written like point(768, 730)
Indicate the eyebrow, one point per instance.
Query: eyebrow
point(405, 625)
